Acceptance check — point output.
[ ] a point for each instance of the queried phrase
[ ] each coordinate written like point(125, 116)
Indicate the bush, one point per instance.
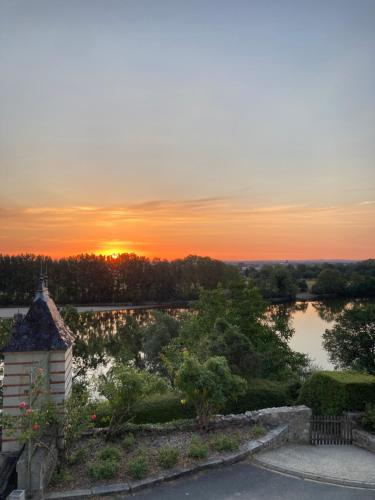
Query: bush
point(224, 443)
point(368, 420)
point(60, 476)
point(77, 457)
point(331, 393)
point(103, 413)
point(168, 457)
point(197, 448)
point(128, 441)
point(139, 465)
point(258, 430)
point(110, 453)
point(107, 469)
point(261, 393)
point(162, 408)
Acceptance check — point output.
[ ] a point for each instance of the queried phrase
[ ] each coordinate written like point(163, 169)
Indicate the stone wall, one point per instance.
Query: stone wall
point(364, 439)
point(297, 418)
point(43, 463)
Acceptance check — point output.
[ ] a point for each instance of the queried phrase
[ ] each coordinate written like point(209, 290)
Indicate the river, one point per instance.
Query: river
point(309, 319)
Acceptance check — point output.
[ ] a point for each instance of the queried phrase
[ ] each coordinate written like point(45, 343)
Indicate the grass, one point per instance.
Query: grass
point(168, 457)
point(197, 448)
point(223, 443)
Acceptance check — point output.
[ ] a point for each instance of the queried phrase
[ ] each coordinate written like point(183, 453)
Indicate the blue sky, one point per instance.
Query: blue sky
point(259, 103)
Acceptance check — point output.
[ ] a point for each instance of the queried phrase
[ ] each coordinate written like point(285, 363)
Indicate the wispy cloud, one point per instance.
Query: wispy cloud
point(165, 227)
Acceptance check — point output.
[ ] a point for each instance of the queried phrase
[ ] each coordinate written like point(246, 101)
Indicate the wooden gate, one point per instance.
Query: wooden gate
point(330, 430)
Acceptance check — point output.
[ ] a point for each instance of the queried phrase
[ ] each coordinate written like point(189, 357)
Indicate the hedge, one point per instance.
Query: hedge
point(261, 393)
point(161, 408)
point(331, 393)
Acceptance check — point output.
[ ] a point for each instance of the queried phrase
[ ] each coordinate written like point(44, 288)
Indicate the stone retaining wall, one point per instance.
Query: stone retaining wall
point(43, 463)
point(364, 439)
point(296, 417)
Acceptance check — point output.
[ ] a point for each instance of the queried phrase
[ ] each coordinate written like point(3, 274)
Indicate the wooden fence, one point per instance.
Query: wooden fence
point(330, 430)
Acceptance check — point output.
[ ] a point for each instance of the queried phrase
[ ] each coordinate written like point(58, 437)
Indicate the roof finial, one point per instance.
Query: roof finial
point(42, 292)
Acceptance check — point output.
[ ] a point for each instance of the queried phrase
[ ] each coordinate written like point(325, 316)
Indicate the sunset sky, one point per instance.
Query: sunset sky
point(239, 129)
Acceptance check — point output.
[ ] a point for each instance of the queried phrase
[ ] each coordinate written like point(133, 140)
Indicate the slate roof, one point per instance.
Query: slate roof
point(42, 328)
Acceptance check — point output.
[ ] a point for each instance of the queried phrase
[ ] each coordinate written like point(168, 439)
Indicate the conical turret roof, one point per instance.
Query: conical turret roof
point(42, 328)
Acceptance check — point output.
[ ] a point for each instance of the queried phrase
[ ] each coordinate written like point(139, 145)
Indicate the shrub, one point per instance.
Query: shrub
point(368, 420)
point(102, 410)
point(60, 476)
point(110, 453)
point(261, 393)
point(258, 430)
point(168, 457)
point(224, 443)
point(208, 385)
point(161, 408)
point(128, 441)
point(331, 393)
point(139, 465)
point(77, 457)
point(107, 469)
point(197, 448)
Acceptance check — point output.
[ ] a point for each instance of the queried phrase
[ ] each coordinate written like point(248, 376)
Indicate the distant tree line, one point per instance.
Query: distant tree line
point(323, 279)
point(91, 279)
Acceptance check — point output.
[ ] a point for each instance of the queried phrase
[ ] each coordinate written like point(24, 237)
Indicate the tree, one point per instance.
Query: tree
point(208, 386)
point(124, 387)
point(157, 335)
point(351, 341)
point(330, 282)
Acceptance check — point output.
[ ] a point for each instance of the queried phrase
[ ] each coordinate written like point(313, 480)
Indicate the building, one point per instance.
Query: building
point(39, 340)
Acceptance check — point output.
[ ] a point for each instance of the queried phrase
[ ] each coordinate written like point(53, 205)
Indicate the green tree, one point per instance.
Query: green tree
point(351, 341)
point(208, 386)
point(124, 387)
point(330, 282)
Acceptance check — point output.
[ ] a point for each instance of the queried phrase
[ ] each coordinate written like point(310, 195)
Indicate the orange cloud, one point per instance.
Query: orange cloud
point(220, 227)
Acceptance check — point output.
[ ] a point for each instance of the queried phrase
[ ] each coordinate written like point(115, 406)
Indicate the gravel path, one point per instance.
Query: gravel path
point(347, 463)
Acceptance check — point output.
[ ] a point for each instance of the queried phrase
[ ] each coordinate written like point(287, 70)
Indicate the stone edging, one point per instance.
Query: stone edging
point(272, 439)
point(314, 477)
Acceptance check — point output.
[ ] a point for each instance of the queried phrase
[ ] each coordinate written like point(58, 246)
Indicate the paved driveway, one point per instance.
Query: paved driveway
point(339, 463)
point(245, 481)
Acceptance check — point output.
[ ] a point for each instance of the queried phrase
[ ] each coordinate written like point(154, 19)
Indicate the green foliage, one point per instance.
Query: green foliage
point(128, 441)
point(77, 456)
point(107, 469)
point(157, 335)
point(223, 443)
point(331, 393)
point(109, 453)
point(77, 411)
point(102, 409)
point(159, 408)
point(208, 386)
point(60, 476)
point(124, 386)
point(139, 465)
point(92, 279)
point(197, 448)
point(168, 457)
point(330, 282)
point(259, 394)
point(368, 419)
point(351, 341)
point(258, 431)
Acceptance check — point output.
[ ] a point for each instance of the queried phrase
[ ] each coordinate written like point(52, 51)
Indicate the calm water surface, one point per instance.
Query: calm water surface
point(309, 319)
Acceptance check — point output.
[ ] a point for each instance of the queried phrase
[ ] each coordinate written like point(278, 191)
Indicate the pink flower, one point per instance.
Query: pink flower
point(29, 411)
point(35, 427)
point(93, 417)
point(22, 405)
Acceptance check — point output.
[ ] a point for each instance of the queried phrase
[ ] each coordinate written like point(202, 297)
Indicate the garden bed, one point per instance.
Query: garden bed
point(96, 461)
